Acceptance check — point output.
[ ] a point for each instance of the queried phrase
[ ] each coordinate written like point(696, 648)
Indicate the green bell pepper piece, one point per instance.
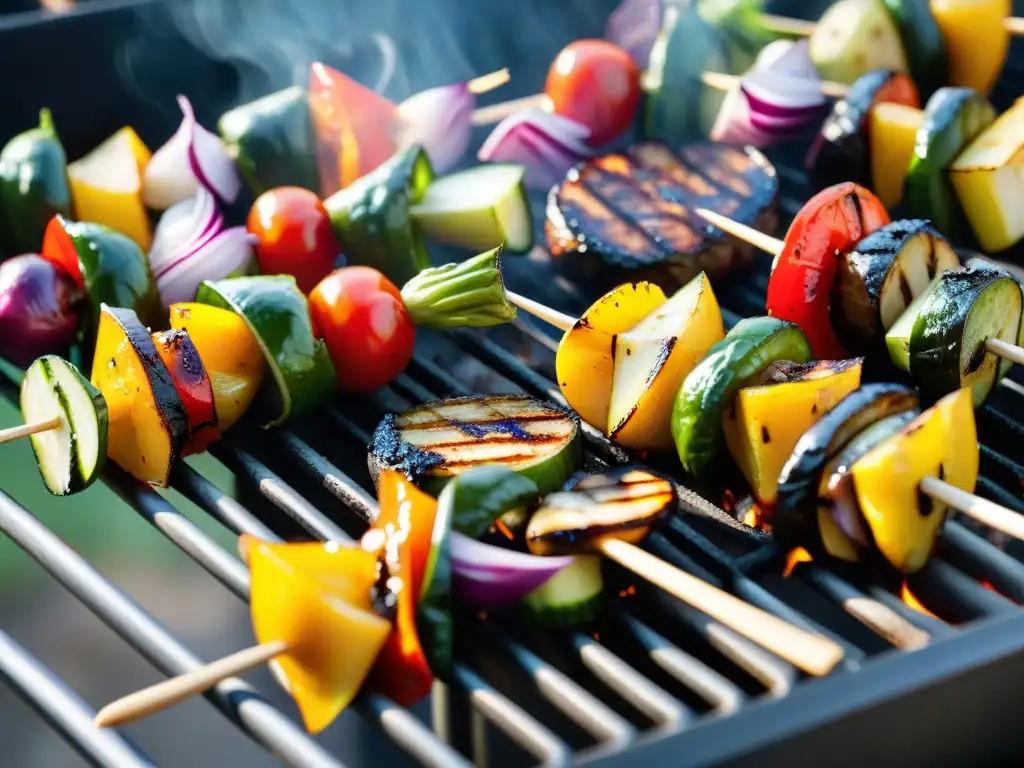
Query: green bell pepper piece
point(276, 312)
point(33, 186)
point(371, 216)
point(751, 346)
point(272, 141)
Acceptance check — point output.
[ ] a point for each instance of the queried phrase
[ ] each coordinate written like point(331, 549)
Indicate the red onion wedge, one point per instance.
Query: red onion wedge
point(191, 245)
point(634, 26)
point(37, 309)
point(192, 158)
point(486, 576)
point(775, 101)
point(546, 145)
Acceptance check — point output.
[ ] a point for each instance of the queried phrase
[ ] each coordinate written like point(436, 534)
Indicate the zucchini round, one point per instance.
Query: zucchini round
point(436, 441)
point(952, 118)
point(433, 610)
point(841, 150)
point(277, 314)
point(750, 347)
point(922, 42)
point(570, 597)
point(881, 277)
point(71, 456)
point(793, 519)
point(946, 344)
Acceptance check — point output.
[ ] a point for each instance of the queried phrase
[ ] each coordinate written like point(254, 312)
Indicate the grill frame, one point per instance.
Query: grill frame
point(795, 720)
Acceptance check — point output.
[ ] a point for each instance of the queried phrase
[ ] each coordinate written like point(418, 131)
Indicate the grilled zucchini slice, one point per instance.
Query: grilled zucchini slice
point(883, 275)
point(440, 439)
point(71, 456)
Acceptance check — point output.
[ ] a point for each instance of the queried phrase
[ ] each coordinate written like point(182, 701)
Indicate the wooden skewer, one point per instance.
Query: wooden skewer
point(159, 697)
point(717, 80)
point(488, 82)
point(803, 28)
point(995, 516)
point(16, 433)
point(559, 320)
point(814, 654)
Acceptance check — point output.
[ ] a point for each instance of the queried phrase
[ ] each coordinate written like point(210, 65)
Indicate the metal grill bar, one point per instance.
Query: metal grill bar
point(64, 709)
point(235, 698)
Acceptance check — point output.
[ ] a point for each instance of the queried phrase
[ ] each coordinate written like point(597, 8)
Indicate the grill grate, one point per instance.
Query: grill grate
point(653, 667)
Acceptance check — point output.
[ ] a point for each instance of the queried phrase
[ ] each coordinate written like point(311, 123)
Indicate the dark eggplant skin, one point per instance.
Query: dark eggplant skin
point(840, 151)
point(856, 309)
point(629, 216)
point(937, 338)
point(794, 516)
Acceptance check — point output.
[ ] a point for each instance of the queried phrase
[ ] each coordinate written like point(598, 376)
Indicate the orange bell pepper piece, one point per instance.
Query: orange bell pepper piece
point(317, 598)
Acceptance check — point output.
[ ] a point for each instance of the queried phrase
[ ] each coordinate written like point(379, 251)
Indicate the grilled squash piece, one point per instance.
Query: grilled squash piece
point(437, 440)
point(765, 422)
point(148, 423)
point(988, 177)
point(634, 212)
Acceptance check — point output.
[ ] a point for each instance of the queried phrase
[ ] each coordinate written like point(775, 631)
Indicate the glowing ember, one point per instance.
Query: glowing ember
point(794, 558)
point(752, 518)
point(908, 597)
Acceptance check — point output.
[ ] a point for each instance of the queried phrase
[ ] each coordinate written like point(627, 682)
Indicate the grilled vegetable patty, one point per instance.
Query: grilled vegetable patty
point(635, 211)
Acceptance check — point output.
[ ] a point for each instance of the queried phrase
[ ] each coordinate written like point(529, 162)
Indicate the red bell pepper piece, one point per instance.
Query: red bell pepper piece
point(828, 226)
point(193, 386)
point(407, 517)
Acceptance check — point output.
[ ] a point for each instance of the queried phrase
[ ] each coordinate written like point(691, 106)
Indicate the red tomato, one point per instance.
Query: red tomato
point(295, 235)
point(828, 226)
point(595, 83)
point(369, 333)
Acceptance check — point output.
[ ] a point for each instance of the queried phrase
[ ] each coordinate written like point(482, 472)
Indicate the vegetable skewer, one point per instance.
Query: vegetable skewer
point(774, 247)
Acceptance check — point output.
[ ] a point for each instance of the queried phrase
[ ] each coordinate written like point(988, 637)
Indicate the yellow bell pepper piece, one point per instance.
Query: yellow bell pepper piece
point(230, 354)
point(106, 186)
point(892, 129)
point(765, 423)
point(584, 364)
point(316, 598)
point(976, 39)
point(942, 442)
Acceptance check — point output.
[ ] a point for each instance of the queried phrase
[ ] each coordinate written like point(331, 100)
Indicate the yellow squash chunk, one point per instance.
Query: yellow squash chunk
point(892, 129)
point(316, 598)
point(148, 423)
point(941, 442)
point(653, 358)
point(765, 423)
point(988, 177)
point(230, 354)
point(976, 39)
point(585, 363)
point(106, 186)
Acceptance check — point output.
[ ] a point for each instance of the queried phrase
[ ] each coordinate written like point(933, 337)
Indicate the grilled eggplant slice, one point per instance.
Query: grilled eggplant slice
point(736, 361)
point(882, 276)
point(148, 422)
point(793, 518)
point(765, 422)
point(624, 503)
point(634, 212)
point(941, 340)
point(71, 456)
point(437, 440)
point(904, 523)
point(840, 151)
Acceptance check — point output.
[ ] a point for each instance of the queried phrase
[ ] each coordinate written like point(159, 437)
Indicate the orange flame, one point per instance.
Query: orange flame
point(794, 558)
point(908, 597)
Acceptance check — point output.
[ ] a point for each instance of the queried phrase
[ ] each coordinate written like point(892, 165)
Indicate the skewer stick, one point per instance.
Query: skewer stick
point(16, 433)
point(717, 80)
point(803, 28)
point(559, 320)
point(159, 697)
point(814, 654)
point(488, 82)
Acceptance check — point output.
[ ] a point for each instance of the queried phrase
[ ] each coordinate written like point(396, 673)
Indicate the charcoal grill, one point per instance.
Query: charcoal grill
point(654, 682)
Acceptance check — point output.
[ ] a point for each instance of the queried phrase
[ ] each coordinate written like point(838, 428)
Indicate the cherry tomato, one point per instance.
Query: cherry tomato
point(369, 333)
point(295, 235)
point(595, 83)
point(828, 226)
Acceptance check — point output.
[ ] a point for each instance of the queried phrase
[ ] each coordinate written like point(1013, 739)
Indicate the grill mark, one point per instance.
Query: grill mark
point(691, 168)
point(494, 439)
point(931, 258)
point(854, 199)
point(452, 464)
point(905, 289)
point(722, 185)
point(453, 423)
point(624, 217)
point(615, 339)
